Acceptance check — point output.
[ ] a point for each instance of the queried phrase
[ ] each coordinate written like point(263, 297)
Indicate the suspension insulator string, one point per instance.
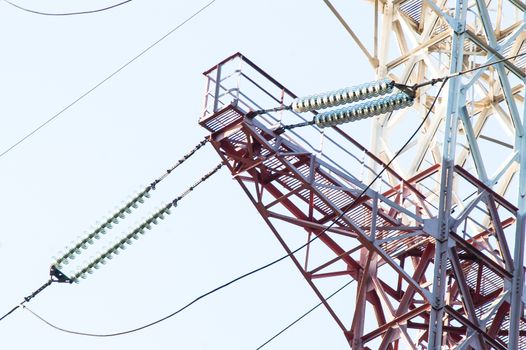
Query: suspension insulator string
point(135, 234)
point(363, 110)
point(355, 112)
point(102, 229)
point(96, 234)
point(357, 93)
point(343, 96)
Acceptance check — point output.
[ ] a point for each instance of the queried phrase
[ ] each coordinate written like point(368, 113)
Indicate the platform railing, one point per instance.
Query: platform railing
point(237, 81)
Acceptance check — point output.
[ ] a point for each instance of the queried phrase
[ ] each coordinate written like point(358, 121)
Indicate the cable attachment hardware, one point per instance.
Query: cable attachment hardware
point(58, 276)
point(280, 130)
point(252, 114)
point(36, 292)
point(411, 89)
point(407, 89)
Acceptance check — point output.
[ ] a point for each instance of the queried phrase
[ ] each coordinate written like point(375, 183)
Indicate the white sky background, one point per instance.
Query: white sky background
point(78, 169)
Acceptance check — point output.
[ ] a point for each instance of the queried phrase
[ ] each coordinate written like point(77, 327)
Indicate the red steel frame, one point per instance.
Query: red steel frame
point(385, 241)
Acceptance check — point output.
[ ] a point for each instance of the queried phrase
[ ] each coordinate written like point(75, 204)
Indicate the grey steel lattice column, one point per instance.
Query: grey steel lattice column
point(517, 288)
point(446, 186)
point(477, 132)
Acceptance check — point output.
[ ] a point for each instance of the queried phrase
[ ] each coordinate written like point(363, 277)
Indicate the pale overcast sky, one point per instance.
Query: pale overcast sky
point(78, 169)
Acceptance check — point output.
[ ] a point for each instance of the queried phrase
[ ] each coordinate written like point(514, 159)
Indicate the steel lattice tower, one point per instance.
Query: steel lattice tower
point(436, 247)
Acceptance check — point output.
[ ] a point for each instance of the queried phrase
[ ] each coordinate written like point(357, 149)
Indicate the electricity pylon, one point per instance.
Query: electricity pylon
point(435, 246)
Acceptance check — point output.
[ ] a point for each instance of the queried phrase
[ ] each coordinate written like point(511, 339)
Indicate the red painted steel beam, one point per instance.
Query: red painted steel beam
point(288, 185)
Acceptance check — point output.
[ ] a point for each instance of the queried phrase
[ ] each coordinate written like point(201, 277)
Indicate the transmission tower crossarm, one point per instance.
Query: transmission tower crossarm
point(429, 247)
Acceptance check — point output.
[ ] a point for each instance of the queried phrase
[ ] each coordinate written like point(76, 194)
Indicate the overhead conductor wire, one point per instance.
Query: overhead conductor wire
point(212, 291)
point(303, 316)
point(58, 114)
point(67, 13)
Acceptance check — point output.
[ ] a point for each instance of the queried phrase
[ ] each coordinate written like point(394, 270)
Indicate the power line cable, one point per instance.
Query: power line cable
point(104, 80)
point(66, 13)
point(303, 315)
point(164, 318)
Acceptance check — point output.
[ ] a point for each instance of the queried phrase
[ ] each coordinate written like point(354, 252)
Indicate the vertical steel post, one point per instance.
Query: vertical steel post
point(516, 307)
point(217, 88)
point(378, 123)
point(446, 185)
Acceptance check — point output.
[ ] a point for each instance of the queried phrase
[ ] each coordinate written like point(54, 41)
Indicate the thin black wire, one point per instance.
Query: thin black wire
point(67, 13)
point(303, 315)
point(105, 80)
point(259, 268)
point(457, 74)
point(10, 312)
